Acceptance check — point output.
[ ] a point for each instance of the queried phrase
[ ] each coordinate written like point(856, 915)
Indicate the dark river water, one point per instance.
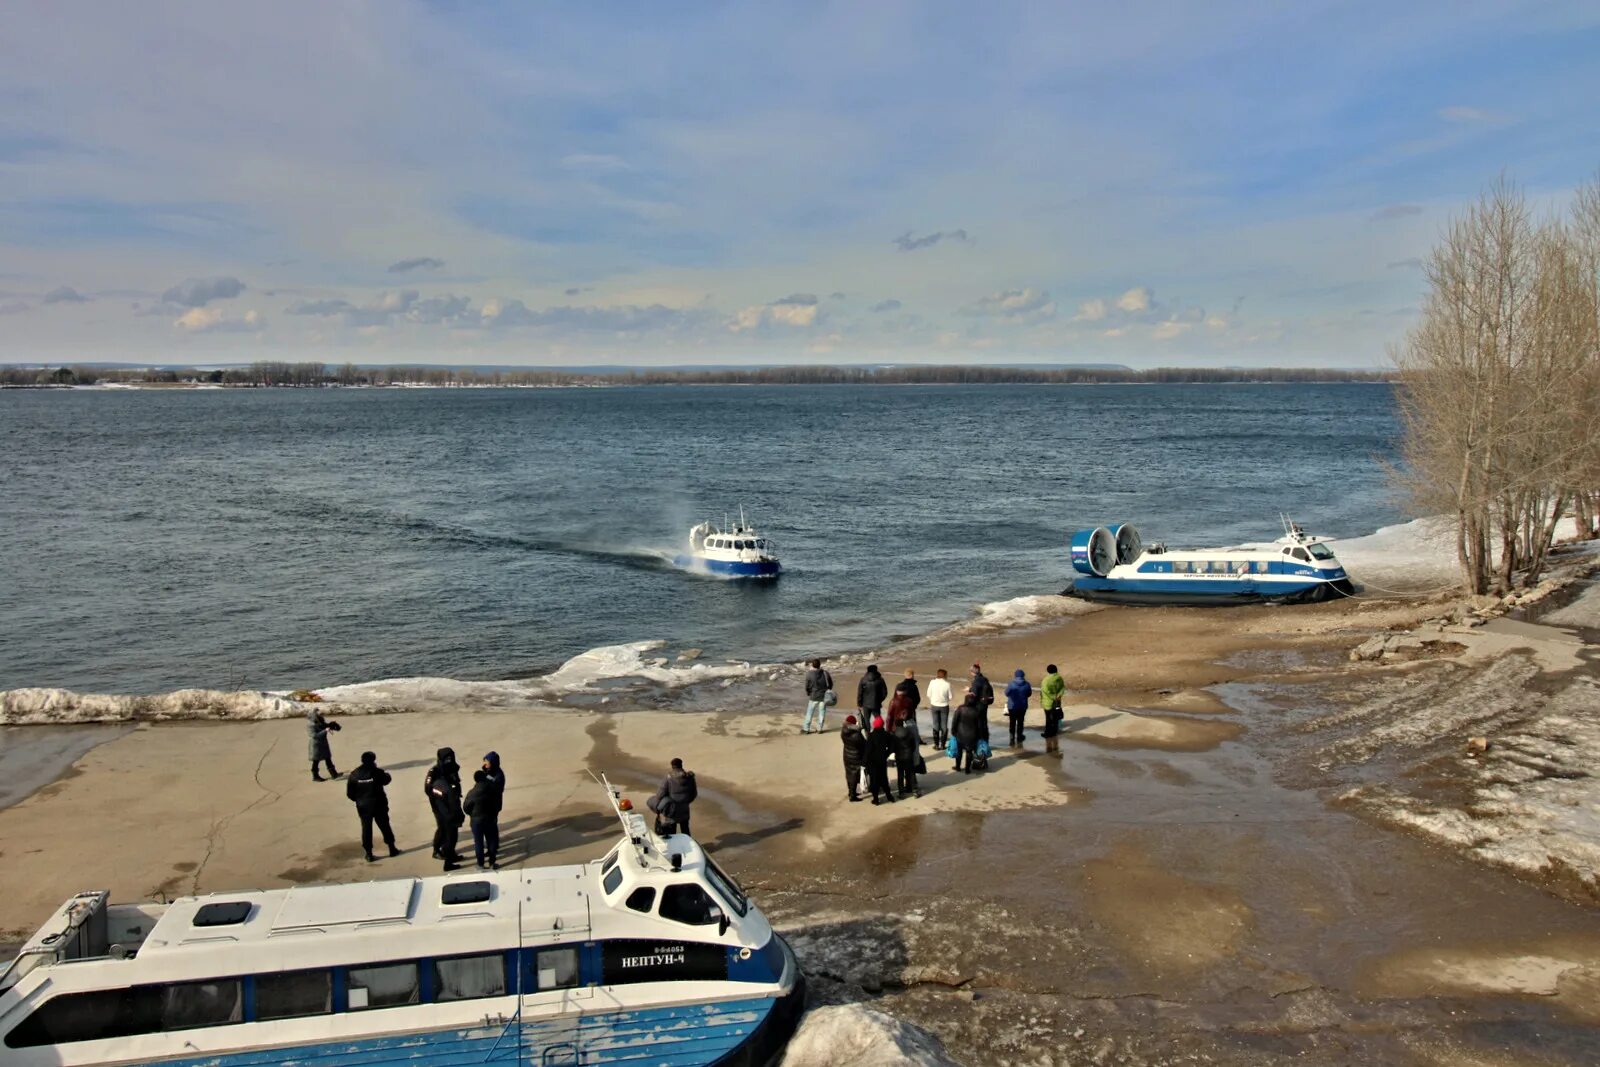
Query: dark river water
point(157, 539)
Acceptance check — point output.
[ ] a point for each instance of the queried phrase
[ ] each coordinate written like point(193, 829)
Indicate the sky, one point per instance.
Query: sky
point(1194, 184)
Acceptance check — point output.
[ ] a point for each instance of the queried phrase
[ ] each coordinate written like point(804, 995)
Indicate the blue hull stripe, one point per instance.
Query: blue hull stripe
point(694, 1035)
point(1195, 587)
point(730, 568)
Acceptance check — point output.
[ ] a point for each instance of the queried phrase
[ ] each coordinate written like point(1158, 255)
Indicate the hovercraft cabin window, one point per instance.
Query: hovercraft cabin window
point(470, 977)
point(110, 1013)
point(387, 985)
point(294, 995)
point(148, 1009)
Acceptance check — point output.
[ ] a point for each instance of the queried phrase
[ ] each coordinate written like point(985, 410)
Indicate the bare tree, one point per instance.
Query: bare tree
point(1497, 384)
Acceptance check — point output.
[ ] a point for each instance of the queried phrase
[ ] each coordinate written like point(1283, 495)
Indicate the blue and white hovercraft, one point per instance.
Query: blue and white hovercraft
point(737, 552)
point(1114, 565)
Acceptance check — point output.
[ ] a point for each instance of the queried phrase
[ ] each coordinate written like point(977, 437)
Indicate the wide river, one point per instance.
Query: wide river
point(157, 539)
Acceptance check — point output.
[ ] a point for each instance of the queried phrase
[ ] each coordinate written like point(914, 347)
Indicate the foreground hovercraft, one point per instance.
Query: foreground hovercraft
point(737, 552)
point(649, 955)
point(1114, 565)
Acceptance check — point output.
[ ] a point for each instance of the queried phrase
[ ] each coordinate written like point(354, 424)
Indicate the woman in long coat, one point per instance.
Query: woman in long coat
point(317, 728)
point(879, 745)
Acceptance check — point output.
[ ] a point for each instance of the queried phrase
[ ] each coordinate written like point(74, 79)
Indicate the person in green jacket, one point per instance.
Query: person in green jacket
point(1050, 691)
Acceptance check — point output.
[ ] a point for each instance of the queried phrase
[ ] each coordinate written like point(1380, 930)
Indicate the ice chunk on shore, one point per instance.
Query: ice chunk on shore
point(850, 1035)
point(609, 668)
point(1028, 610)
point(32, 707)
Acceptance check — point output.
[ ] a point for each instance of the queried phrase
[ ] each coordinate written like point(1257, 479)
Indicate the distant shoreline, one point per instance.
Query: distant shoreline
point(319, 376)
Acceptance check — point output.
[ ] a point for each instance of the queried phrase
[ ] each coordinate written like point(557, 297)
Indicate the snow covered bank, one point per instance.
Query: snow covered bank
point(850, 1035)
point(1414, 556)
point(1407, 557)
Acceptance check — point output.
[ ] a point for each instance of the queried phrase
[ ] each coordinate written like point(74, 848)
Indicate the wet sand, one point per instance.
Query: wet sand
point(33, 757)
point(1171, 888)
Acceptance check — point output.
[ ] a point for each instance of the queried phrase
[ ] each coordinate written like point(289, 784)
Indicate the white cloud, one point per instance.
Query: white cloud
point(1217, 322)
point(1136, 299)
point(1166, 331)
point(215, 320)
point(1026, 303)
point(796, 311)
point(1091, 311)
point(66, 294)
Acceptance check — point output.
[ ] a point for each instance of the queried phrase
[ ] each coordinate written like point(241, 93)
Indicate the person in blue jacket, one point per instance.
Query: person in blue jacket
point(1018, 693)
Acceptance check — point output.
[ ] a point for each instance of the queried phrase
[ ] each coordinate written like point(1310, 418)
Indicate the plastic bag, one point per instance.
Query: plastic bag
point(951, 748)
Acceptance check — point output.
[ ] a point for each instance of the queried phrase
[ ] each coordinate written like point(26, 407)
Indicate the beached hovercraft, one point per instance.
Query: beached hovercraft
point(651, 954)
point(1114, 565)
point(737, 552)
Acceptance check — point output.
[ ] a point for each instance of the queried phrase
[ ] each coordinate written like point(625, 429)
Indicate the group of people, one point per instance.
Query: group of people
point(367, 788)
point(888, 724)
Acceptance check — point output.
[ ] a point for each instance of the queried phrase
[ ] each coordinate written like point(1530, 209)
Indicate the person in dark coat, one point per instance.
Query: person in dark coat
point(482, 806)
point(855, 755)
point(1018, 693)
point(819, 683)
point(879, 745)
point(365, 788)
point(317, 728)
point(906, 757)
point(966, 726)
point(870, 693)
point(671, 802)
point(910, 695)
point(443, 788)
point(981, 688)
point(495, 776)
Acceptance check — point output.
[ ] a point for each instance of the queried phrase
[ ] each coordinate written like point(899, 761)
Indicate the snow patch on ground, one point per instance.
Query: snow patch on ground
point(1584, 611)
point(850, 1035)
point(1530, 803)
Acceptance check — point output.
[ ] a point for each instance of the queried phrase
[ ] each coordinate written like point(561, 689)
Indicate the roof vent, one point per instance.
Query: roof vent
point(465, 893)
point(227, 913)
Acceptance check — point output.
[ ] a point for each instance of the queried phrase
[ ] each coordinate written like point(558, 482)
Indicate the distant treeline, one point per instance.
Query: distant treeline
point(319, 375)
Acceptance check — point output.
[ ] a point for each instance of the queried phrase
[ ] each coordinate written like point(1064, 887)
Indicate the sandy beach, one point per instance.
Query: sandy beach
point(1208, 869)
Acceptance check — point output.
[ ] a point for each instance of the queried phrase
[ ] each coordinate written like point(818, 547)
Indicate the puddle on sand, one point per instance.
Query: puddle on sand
point(1262, 923)
point(1119, 728)
point(1168, 922)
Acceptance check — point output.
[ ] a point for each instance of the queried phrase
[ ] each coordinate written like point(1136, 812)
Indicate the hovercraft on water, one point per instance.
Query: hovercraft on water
point(736, 552)
point(1115, 566)
point(649, 954)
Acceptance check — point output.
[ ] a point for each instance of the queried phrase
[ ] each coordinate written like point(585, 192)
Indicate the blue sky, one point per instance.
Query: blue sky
point(1149, 184)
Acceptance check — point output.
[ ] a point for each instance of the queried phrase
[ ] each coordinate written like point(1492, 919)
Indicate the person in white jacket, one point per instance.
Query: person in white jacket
point(939, 705)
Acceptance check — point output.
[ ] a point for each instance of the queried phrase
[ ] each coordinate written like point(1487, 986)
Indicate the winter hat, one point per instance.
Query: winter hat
point(849, 720)
point(479, 775)
point(492, 759)
point(877, 722)
point(368, 758)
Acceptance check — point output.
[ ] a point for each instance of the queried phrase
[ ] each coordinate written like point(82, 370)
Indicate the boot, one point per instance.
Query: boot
point(393, 851)
point(371, 858)
point(315, 777)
